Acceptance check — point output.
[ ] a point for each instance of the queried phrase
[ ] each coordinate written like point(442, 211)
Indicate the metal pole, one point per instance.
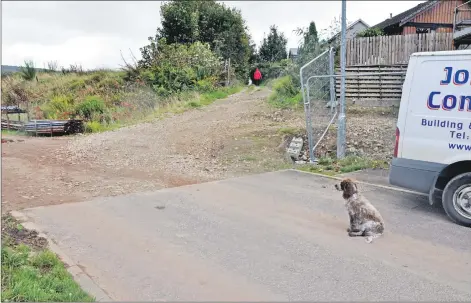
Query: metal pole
point(333, 99)
point(341, 133)
point(309, 125)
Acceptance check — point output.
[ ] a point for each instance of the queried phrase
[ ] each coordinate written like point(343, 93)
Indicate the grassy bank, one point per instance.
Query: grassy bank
point(104, 99)
point(31, 272)
point(285, 94)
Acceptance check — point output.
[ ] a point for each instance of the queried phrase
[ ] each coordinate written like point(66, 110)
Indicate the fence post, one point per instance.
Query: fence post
point(228, 72)
point(341, 132)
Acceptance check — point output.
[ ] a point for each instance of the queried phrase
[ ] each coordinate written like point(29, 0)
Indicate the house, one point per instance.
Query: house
point(352, 30)
point(293, 53)
point(432, 16)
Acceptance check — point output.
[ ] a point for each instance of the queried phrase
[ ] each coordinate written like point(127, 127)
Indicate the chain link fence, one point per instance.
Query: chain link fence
point(318, 91)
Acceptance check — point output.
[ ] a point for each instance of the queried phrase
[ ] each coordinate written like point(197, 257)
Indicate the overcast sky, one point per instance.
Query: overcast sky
point(92, 33)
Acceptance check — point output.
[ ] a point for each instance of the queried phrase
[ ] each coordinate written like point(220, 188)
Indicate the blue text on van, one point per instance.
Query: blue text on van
point(450, 102)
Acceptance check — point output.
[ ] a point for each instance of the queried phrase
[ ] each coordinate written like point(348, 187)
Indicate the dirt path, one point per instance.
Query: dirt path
point(231, 137)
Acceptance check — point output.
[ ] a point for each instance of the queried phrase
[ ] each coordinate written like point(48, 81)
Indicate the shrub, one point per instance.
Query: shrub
point(60, 106)
point(370, 32)
point(205, 85)
point(89, 108)
point(92, 126)
point(77, 84)
point(285, 93)
point(179, 67)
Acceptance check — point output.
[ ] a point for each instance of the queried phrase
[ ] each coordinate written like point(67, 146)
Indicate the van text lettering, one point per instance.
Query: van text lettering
point(448, 102)
point(460, 77)
point(441, 101)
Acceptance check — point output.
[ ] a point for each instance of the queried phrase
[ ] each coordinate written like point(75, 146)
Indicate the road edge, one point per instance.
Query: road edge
point(360, 182)
point(80, 276)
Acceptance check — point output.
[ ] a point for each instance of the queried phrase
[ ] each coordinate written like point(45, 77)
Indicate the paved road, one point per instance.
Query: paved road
point(275, 236)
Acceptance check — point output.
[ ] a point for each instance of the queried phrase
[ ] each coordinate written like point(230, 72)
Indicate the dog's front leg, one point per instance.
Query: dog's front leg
point(354, 223)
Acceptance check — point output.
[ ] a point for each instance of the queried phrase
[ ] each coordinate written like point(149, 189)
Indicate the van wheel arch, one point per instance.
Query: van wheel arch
point(442, 179)
point(457, 199)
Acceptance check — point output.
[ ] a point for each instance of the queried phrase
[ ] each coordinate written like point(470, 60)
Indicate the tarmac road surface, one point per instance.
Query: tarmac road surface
point(274, 236)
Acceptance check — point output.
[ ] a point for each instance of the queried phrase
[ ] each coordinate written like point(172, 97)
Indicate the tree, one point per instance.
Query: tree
point(309, 34)
point(273, 47)
point(309, 46)
point(207, 22)
point(334, 30)
point(370, 32)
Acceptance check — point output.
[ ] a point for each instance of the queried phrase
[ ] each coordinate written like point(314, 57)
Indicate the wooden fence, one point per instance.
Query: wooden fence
point(390, 50)
point(372, 89)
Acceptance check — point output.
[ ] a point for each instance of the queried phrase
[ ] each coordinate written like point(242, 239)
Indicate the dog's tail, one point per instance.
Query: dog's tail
point(370, 239)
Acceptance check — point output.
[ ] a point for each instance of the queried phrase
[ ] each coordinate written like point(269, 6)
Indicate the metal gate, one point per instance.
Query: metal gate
point(318, 85)
point(320, 105)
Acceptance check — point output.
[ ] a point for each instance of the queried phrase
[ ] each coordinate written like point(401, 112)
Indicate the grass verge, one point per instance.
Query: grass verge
point(31, 272)
point(331, 167)
point(186, 102)
point(285, 94)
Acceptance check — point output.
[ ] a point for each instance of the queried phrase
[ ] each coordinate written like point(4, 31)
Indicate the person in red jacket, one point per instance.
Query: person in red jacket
point(257, 77)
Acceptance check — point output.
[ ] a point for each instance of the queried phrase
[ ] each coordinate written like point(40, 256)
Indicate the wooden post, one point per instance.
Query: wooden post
point(228, 71)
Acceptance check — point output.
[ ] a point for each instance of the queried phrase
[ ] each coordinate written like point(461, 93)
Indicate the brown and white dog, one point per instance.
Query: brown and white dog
point(365, 219)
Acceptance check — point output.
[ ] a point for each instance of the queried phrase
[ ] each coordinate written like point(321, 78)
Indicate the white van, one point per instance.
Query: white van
point(433, 135)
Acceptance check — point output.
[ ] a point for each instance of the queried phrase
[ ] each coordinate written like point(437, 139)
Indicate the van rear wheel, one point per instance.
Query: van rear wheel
point(456, 199)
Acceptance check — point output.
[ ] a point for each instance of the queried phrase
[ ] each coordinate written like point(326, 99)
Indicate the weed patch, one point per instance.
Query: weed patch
point(285, 94)
point(30, 272)
point(331, 166)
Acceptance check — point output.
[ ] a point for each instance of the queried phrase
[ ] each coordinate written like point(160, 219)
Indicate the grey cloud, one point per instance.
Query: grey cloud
point(129, 23)
point(53, 22)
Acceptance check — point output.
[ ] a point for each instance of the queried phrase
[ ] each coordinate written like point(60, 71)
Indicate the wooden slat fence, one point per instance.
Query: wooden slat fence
point(373, 89)
point(390, 50)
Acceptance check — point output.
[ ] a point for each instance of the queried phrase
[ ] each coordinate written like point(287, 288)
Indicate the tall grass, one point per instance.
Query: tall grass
point(285, 94)
point(102, 98)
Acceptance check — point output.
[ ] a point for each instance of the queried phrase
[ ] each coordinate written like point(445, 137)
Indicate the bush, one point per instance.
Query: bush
point(60, 107)
point(90, 108)
point(92, 127)
point(179, 67)
point(205, 85)
point(370, 32)
point(285, 93)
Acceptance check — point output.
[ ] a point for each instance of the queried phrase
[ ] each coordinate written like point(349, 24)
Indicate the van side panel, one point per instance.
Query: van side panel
point(434, 120)
point(437, 127)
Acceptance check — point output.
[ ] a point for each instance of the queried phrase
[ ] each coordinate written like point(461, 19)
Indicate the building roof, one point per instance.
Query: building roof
point(349, 27)
point(403, 17)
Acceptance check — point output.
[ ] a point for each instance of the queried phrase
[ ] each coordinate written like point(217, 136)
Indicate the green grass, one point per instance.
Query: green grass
point(285, 94)
point(12, 132)
point(104, 98)
point(29, 275)
point(290, 131)
point(331, 167)
point(195, 100)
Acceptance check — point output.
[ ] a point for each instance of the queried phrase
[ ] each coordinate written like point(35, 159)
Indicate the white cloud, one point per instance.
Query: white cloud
point(92, 33)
